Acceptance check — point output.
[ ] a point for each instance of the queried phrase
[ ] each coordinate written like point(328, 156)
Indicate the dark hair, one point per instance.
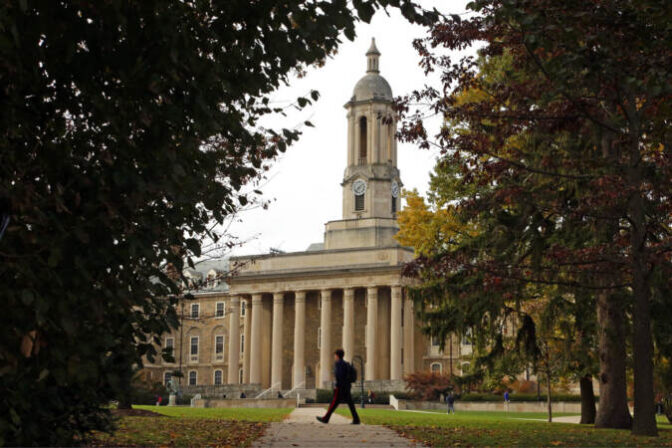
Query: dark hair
point(339, 352)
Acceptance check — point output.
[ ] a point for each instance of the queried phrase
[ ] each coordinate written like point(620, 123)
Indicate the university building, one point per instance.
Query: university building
point(275, 324)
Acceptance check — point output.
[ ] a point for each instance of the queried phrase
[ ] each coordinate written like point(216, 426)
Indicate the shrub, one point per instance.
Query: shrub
point(147, 395)
point(520, 397)
point(428, 385)
point(667, 407)
point(326, 395)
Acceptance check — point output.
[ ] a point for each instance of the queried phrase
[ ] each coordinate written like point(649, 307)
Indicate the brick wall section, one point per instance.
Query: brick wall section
point(312, 323)
point(287, 341)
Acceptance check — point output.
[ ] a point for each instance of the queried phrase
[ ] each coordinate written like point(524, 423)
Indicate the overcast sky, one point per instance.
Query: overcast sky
point(304, 183)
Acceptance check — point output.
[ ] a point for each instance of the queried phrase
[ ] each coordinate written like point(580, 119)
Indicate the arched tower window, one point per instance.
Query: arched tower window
point(362, 140)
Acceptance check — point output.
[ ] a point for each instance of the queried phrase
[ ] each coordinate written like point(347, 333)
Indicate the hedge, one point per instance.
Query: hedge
point(325, 396)
point(520, 397)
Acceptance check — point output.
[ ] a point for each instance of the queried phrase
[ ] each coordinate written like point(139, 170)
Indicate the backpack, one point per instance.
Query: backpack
point(351, 373)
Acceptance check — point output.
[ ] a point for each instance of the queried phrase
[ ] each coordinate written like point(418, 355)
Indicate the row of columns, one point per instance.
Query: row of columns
point(253, 336)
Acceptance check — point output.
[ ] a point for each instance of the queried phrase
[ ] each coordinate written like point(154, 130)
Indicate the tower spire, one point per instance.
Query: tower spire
point(372, 56)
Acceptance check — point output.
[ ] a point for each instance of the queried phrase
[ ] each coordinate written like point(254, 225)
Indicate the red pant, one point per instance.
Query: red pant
point(342, 396)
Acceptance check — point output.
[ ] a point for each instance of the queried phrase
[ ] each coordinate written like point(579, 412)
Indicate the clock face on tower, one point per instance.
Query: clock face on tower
point(395, 189)
point(359, 187)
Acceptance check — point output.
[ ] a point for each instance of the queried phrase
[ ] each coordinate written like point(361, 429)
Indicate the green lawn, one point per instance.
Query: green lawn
point(247, 414)
point(186, 427)
point(502, 429)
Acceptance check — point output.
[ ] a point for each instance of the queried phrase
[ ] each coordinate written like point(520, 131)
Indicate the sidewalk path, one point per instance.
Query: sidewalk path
point(302, 430)
point(566, 419)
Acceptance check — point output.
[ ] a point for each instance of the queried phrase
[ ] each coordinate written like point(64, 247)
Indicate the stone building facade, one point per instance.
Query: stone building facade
point(277, 321)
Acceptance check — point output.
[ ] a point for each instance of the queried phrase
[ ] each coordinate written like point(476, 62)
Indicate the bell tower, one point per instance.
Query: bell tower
point(371, 182)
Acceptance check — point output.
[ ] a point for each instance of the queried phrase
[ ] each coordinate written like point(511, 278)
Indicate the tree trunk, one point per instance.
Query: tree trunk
point(644, 423)
point(548, 394)
point(587, 400)
point(613, 410)
point(642, 345)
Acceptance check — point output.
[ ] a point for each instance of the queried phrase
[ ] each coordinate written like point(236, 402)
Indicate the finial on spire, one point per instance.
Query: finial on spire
point(372, 56)
point(373, 49)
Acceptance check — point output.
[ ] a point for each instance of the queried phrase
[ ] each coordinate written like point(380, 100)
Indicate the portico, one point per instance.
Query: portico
point(286, 364)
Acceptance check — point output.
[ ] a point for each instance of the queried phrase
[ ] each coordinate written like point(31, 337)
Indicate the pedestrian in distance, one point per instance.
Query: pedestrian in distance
point(659, 404)
point(345, 375)
point(506, 397)
point(450, 400)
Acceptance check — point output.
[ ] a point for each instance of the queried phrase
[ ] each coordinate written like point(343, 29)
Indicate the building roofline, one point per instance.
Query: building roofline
point(324, 251)
point(291, 273)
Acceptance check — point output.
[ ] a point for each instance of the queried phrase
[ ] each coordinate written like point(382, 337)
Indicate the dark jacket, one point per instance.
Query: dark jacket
point(341, 375)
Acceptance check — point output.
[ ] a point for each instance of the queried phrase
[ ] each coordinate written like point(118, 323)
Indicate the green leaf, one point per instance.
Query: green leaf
point(27, 297)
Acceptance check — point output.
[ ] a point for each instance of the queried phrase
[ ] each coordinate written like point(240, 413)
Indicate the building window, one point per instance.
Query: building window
point(436, 367)
point(166, 378)
point(242, 308)
point(192, 378)
point(394, 205)
point(170, 347)
point(242, 343)
point(435, 341)
point(362, 140)
point(219, 309)
point(319, 337)
point(218, 378)
point(219, 347)
point(240, 376)
point(194, 310)
point(193, 348)
point(359, 202)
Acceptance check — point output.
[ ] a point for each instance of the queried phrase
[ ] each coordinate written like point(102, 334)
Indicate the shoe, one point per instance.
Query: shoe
point(356, 422)
point(321, 420)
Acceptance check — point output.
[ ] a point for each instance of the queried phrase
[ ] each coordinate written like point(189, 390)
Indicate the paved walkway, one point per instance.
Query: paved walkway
point(302, 430)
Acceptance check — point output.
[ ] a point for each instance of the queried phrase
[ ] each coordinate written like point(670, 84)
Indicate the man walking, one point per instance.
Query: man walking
point(345, 375)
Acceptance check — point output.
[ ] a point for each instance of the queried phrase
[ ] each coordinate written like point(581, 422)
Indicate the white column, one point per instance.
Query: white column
point(255, 341)
point(371, 328)
point(395, 333)
point(248, 336)
point(300, 339)
point(276, 344)
point(234, 340)
point(325, 340)
point(349, 323)
point(409, 332)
